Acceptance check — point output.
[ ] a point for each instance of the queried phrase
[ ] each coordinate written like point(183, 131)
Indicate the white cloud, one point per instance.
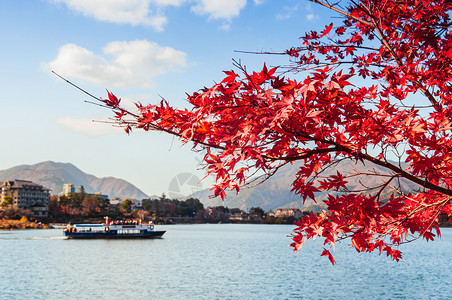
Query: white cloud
point(219, 9)
point(258, 2)
point(169, 2)
point(287, 12)
point(311, 15)
point(134, 12)
point(88, 127)
point(133, 64)
point(151, 12)
point(283, 16)
point(154, 59)
point(225, 26)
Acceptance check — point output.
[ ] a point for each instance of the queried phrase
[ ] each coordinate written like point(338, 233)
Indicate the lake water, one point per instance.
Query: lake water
point(225, 261)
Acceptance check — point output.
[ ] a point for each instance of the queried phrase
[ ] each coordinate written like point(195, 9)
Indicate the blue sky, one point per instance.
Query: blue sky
point(138, 49)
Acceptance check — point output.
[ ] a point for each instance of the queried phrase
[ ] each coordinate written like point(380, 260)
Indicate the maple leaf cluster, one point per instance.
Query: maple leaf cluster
point(374, 90)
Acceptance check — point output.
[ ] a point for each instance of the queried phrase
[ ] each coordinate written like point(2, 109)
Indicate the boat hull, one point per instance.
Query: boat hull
point(113, 235)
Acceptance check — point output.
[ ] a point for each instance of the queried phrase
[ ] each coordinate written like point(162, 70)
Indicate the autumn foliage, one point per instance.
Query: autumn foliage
point(374, 89)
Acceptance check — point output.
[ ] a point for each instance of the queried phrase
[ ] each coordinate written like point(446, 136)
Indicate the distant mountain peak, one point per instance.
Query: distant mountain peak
point(54, 174)
point(276, 191)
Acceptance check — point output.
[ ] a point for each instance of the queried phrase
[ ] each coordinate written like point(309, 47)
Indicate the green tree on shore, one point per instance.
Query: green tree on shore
point(126, 206)
point(7, 200)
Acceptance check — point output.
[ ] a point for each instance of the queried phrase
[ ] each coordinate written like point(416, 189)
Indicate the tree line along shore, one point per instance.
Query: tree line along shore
point(83, 208)
point(88, 208)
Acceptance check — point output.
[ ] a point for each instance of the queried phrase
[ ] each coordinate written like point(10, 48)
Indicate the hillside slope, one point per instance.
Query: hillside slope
point(54, 174)
point(275, 192)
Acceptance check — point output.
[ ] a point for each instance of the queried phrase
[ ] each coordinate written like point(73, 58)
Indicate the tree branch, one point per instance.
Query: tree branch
point(332, 7)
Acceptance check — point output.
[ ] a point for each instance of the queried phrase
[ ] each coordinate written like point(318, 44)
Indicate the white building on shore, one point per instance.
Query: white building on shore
point(25, 194)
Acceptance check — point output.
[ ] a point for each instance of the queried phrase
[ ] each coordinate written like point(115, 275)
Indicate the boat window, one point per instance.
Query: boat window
point(128, 231)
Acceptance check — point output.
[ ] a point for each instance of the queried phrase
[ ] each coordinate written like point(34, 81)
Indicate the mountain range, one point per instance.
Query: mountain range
point(53, 175)
point(271, 194)
point(276, 191)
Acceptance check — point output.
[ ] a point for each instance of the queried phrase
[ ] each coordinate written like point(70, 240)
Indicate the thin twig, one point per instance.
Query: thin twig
point(76, 86)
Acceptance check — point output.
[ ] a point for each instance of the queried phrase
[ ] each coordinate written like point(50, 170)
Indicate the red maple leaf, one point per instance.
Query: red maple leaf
point(255, 123)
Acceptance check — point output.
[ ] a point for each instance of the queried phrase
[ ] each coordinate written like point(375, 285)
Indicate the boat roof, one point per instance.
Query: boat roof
point(88, 225)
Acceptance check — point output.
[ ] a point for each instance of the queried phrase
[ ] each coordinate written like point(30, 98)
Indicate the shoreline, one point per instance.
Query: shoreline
point(6, 224)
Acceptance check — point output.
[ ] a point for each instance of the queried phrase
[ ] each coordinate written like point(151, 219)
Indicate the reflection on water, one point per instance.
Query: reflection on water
point(214, 262)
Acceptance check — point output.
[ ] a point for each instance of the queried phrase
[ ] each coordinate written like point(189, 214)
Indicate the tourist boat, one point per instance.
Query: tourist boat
point(112, 230)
